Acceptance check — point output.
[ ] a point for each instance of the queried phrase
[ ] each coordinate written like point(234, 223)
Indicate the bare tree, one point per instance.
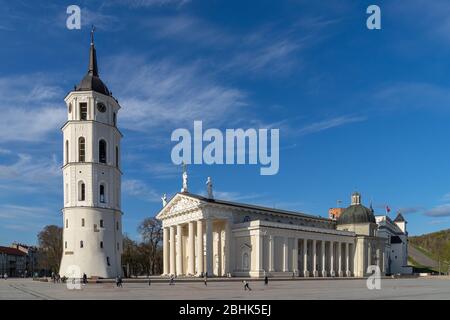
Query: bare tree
point(50, 248)
point(151, 232)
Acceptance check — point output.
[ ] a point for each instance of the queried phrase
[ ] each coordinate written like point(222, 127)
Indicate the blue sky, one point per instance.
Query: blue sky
point(356, 109)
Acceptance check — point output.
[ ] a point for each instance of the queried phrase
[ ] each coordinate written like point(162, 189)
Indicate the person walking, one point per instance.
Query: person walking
point(171, 280)
point(246, 286)
point(266, 280)
point(84, 278)
point(205, 279)
point(119, 282)
point(149, 282)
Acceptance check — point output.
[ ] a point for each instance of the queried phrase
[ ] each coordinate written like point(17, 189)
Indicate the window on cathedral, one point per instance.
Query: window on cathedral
point(67, 223)
point(117, 225)
point(81, 244)
point(83, 111)
point(67, 151)
point(82, 191)
point(82, 222)
point(81, 149)
point(102, 151)
point(101, 244)
point(114, 119)
point(65, 245)
point(102, 193)
point(107, 261)
point(101, 223)
point(245, 261)
point(118, 246)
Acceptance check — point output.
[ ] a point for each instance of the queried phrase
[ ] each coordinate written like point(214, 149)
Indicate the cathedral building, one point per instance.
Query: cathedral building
point(202, 234)
point(92, 216)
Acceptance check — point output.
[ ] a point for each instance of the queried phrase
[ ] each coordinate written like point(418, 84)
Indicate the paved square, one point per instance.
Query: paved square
point(422, 288)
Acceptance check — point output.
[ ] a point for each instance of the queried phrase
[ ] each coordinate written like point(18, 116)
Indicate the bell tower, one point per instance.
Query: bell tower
point(92, 216)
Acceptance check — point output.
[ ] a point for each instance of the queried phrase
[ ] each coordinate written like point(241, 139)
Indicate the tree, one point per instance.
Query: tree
point(50, 248)
point(130, 256)
point(151, 232)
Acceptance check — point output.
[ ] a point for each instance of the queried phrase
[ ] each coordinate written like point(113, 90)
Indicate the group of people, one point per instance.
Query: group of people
point(205, 281)
point(56, 278)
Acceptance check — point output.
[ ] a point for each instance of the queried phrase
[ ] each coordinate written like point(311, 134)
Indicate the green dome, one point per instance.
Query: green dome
point(356, 213)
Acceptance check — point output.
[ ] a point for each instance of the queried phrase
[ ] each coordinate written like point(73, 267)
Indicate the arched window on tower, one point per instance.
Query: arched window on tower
point(67, 151)
point(117, 156)
point(81, 191)
point(114, 119)
point(102, 193)
point(81, 149)
point(102, 151)
point(83, 111)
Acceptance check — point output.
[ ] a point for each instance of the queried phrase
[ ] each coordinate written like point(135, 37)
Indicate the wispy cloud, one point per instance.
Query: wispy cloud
point(439, 211)
point(412, 95)
point(19, 121)
point(162, 170)
point(146, 3)
point(189, 29)
point(164, 94)
point(30, 174)
point(138, 188)
point(408, 210)
point(100, 19)
point(329, 124)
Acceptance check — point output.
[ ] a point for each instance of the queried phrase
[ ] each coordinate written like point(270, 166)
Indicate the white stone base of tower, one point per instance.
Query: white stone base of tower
point(92, 259)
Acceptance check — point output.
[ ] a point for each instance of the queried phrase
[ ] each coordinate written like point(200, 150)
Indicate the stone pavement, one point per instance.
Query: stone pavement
point(418, 288)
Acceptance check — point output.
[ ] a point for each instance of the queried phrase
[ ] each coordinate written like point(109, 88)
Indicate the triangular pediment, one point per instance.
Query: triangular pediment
point(180, 203)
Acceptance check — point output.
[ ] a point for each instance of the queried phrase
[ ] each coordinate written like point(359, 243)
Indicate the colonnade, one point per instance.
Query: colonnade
point(195, 256)
point(312, 258)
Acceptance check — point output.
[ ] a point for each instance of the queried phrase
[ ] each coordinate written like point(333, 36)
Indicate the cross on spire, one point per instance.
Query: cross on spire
point(92, 34)
point(93, 69)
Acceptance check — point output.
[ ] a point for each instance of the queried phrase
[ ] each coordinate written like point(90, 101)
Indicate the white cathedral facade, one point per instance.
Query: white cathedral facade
point(203, 235)
point(92, 216)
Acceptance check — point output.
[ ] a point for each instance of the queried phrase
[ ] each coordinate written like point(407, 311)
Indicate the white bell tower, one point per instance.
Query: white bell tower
point(92, 216)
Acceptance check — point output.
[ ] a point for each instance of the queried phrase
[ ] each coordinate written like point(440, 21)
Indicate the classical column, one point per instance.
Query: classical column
point(324, 271)
point(259, 252)
point(218, 244)
point(314, 256)
point(305, 258)
point(347, 260)
point(332, 258)
point(379, 258)
point(369, 257)
point(200, 252)
point(295, 257)
point(191, 251)
point(172, 250)
point(228, 247)
point(209, 248)
point(179, 250)
point(271, 253)
point(166, 251)
point(339, 256)
point(285, 254)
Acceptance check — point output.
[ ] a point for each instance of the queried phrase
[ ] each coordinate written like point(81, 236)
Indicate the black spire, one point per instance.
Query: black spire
point(93, 69)
point(91, 80)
